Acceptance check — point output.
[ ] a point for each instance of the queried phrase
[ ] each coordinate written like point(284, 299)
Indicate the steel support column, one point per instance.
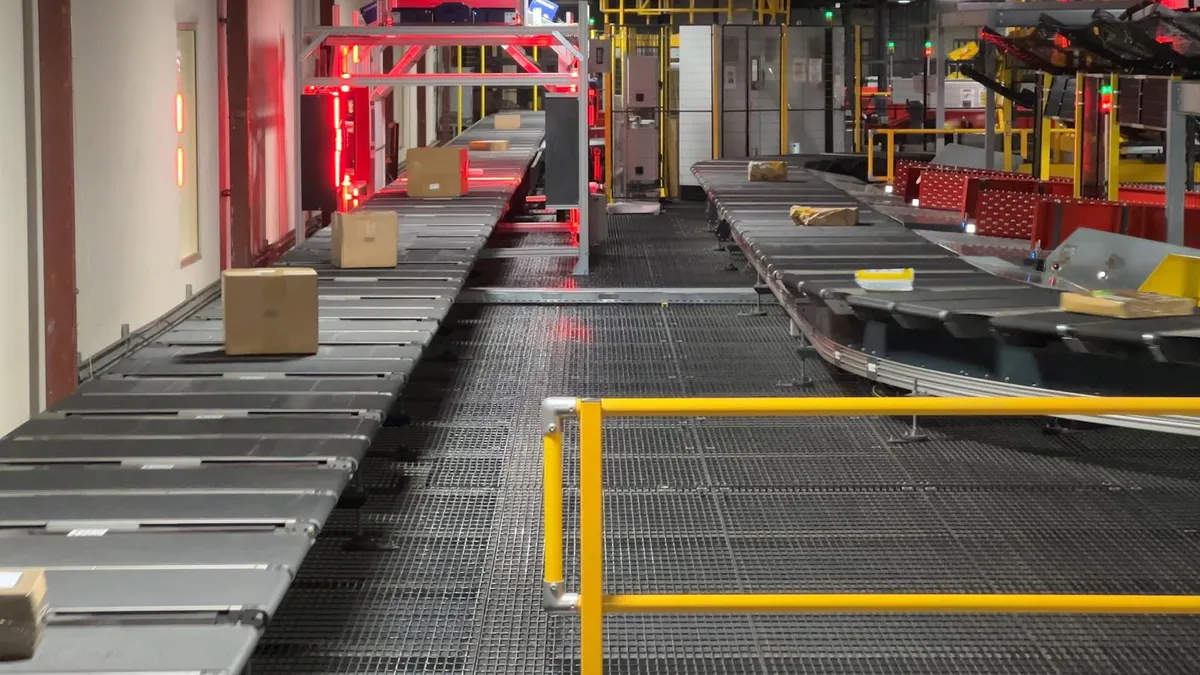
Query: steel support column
point(989, 108)
point(58, 198)
point(238, 64)
point(1177, 166)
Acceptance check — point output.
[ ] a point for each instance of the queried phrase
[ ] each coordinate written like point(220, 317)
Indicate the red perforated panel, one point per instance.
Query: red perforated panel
point(943, 190)
point(976, 184)
point(905, 180)
point(1057, 219)
point(1007, 214)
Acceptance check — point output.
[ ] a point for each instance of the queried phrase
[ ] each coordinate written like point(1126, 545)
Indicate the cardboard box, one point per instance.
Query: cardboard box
point(270, 311)
point(22, 612)
point(1126, 304)
point(489, 146)
point(507, 121)
point(766, 171)
point(365, 239)
point(437, 172)
point(814, 216)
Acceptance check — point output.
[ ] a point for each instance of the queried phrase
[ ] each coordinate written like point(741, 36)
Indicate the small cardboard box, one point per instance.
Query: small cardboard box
point(490, 146)
point(507, 121)
point(365, 239)
point(766, 171)
point(22, 612)
point(814, 216)
point(271, 311)
point(1126, 304)
point(437, 172)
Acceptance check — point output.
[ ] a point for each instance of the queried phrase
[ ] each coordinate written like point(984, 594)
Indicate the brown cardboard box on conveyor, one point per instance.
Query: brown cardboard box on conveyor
point(489, 146)
point(507, 121)
point(1126, 304)
point(22, 612)
point(437, 172)
point(365, 239)
point(814, 216)
point(774, 171)
point(270, 311)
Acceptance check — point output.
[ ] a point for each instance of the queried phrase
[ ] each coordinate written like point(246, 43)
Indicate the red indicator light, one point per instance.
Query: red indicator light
point(179, 167)
point(179, 113)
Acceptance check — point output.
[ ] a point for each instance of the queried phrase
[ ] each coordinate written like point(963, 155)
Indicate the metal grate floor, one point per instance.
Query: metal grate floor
point(672, 249)
point(821, 504)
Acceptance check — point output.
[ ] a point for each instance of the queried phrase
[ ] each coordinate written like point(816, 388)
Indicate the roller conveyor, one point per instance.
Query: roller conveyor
point(808, 262)
point(173, 498)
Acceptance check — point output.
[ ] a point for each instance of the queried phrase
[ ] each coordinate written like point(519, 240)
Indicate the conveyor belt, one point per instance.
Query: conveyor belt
point(818, 263)
point(173, 499)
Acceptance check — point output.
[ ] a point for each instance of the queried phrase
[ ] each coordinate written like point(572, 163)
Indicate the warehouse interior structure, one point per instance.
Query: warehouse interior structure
point(617, 336)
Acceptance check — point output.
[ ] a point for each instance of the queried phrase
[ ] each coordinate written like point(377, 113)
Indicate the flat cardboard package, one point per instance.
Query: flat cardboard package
point(507, 121)
point(766, 171)
point(489, 146)
point(22, 612)
point(814, 216)
point(365, 239)
point(437, 172)
point(1126, 304)
point(270, 311)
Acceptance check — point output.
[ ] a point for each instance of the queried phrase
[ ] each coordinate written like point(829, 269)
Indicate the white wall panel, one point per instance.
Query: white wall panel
point(15, 270)
point(695, 99)
point(127, 202)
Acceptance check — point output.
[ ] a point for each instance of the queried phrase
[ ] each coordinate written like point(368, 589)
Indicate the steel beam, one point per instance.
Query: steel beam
point(1181, 98)
point(446, 80)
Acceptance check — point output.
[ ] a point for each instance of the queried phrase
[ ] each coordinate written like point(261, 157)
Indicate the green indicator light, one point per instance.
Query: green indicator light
point(591, 21)
point(1106, 90)
point(829, 15)
point(928, 44)
point(891, 45)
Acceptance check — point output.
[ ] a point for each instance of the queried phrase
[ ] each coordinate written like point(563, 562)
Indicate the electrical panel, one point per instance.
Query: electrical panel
point(641, 155)
point(641, 83)
point(320, 177)
point(562, 150)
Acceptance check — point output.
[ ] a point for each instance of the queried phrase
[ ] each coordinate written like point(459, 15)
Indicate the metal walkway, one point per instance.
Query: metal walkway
point(173, 499)
point(736, 506)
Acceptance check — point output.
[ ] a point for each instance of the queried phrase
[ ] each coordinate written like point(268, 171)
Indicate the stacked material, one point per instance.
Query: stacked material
point(824, 216)
point(766, 171)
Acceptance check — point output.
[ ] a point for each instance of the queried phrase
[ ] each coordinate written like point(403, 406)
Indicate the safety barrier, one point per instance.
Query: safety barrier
point(889, 142)
point(592, 603)
point(1007, 214)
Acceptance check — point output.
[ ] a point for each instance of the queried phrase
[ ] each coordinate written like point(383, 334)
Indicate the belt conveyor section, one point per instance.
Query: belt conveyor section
point(172, 499)
point(959, 325)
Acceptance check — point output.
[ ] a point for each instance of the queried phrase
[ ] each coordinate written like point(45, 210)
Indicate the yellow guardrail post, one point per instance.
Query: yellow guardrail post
point(591, 538)
point(871, 155)
point(554, 595)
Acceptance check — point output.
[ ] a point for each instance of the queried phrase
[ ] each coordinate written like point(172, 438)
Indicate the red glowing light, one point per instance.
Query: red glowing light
point(179, 113)
point(179, 166)
point(345, 87)
point(355, 53)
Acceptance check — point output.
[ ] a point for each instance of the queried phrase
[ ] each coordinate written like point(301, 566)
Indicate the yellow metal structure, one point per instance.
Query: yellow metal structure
point(1177, 275)
point(764, 11)
point(592, 603)
point(889, 136)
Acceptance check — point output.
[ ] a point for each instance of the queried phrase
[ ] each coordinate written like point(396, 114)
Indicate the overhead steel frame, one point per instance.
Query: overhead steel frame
point(569, 40)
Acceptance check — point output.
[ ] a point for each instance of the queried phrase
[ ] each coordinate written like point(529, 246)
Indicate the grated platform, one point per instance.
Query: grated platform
point(822, 504)
point(672, 249)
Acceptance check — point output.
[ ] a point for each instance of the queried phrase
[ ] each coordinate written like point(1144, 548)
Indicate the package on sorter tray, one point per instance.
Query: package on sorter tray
point(270, 311)
point(22, 612)
point(1126, 304)
point(365, 239)
point(886, 280)
point(815, 216)
point(489, 146)
point(507, 121)
point(437, 172)
point(766, 171)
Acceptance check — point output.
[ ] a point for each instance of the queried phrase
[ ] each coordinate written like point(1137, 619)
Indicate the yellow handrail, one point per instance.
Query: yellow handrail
point(592, 604)
point(890, 144)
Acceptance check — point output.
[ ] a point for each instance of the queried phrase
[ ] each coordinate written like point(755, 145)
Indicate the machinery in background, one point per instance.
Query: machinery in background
point(482, 12)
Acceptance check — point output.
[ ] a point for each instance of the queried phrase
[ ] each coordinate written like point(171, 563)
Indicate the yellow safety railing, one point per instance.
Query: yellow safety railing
point(889, 138)
point(592, 603)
